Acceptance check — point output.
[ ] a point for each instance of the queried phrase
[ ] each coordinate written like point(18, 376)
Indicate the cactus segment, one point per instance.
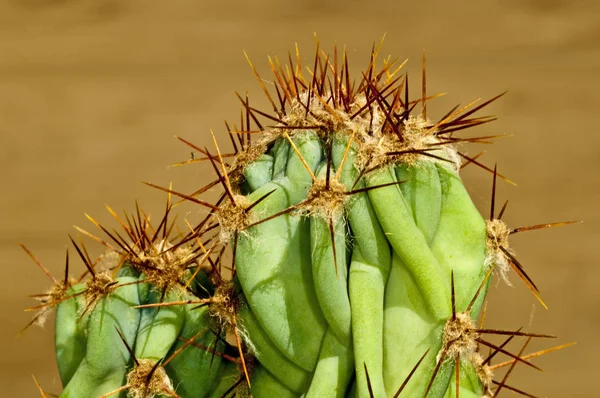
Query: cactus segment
point(334, 369)
point(460, 240)
point(195, 370)
point(226, 381)
point(159, 327)
point(367, 284)
point(305, 157)
point(281, 150)
point(70, 333)
point(367, 276)
point(277, 274)
point(469, 385)
point(104, 366)
point(409, 331)
point(274, 266)
point(260, 172)
point(408, 241)
point(422, 192)
point(330, 270)
point(264, 384)
point(292, 376)
point(366, 230)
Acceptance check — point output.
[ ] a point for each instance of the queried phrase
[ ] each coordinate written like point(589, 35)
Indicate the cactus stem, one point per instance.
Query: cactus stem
point(223, 307)
point(276, 315)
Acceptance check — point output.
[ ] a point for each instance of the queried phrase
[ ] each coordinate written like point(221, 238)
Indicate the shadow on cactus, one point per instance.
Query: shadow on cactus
point(343, 257)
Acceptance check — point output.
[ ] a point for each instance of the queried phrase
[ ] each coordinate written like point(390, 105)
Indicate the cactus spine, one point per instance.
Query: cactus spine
point(359, 263)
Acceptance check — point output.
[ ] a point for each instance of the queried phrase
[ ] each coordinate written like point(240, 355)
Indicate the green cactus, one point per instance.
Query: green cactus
point(358, 264)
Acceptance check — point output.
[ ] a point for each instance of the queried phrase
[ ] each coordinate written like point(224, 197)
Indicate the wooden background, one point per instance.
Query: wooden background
point(93, 91)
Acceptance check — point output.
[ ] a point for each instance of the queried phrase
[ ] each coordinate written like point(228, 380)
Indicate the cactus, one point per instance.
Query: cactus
point(343, 257)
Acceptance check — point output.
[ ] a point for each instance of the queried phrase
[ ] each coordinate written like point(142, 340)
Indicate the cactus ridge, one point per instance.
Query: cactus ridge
point(342, 258)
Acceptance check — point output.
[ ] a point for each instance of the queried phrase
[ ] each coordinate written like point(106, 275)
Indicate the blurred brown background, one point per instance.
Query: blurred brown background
point(93, 91)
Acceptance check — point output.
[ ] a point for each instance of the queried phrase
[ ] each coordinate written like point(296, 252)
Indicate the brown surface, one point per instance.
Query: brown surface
point(91, 93)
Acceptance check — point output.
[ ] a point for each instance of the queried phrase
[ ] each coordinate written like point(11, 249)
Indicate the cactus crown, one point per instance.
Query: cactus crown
point(347, 228)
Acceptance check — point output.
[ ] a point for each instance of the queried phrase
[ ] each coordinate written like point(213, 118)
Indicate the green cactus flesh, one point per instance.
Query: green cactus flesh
point(344, 257)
